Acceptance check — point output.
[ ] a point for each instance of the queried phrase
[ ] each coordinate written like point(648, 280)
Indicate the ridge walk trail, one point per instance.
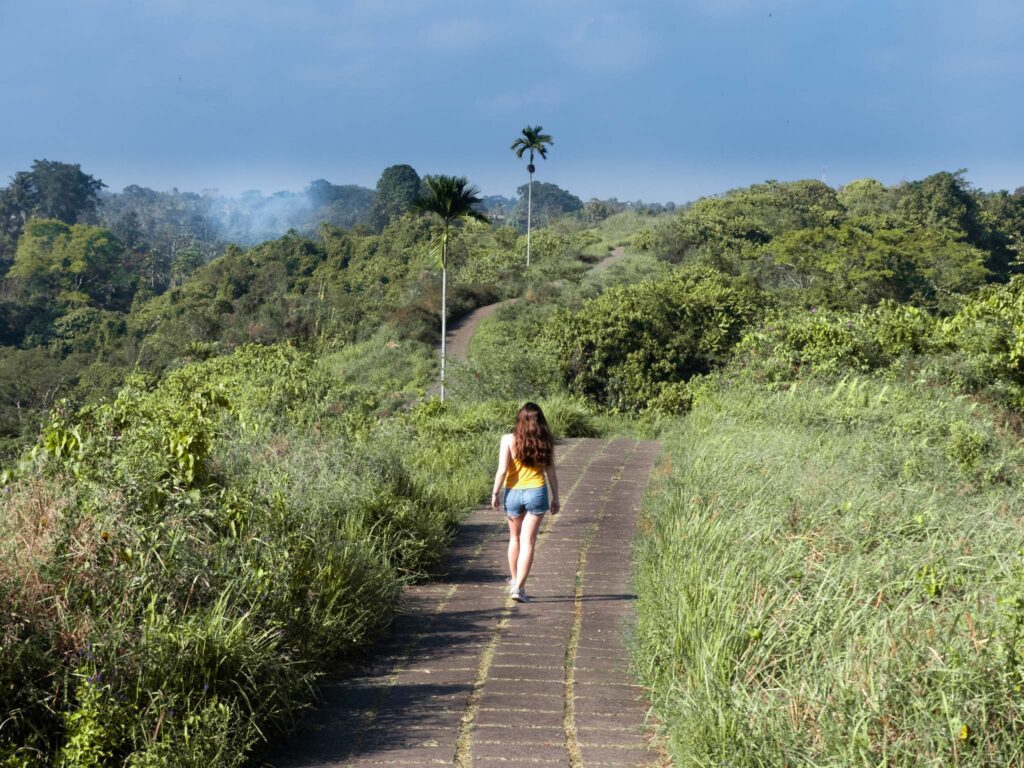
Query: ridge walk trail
point(458, 336)
point(468, 677)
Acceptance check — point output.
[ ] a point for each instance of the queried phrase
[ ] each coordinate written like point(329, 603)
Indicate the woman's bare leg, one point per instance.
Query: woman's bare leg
point(527, 540)
point(514, 524)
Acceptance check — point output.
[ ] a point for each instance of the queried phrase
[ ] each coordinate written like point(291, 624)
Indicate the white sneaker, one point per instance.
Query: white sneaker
point(519, 595)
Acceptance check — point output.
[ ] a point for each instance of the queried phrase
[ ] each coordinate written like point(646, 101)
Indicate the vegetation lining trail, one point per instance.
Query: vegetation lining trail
point(432, 660)
point(829, 576)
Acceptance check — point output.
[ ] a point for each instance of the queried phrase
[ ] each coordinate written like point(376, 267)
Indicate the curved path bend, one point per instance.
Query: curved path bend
point(468, 677)
point(461, 331)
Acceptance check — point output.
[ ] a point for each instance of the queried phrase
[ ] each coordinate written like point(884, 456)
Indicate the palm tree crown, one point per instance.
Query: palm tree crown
point(451, 198)
point(532, 140)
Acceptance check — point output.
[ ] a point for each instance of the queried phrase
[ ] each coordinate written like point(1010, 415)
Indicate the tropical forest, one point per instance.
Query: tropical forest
point(237, 432)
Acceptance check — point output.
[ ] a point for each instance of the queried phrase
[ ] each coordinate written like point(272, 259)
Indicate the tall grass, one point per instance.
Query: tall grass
point(384, 367)
point(177, 568)
point(831, 576)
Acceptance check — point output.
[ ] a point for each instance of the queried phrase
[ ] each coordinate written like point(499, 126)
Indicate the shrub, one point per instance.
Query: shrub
point(790, 344)
point(988, 332)
point(509, 358)
point(570, 417)
point(645, 240)
point(176, 567)
point(623, 347)
point(794, 343)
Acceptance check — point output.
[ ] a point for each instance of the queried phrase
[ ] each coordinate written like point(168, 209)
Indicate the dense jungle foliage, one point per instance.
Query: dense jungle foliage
point(95, 285)
point(218, 475)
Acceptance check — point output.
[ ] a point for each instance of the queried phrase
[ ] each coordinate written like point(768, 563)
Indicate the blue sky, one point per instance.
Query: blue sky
point(646, 100)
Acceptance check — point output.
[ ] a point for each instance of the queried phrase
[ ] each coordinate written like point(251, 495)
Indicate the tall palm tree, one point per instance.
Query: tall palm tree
point(450, 198)
point(532, 140)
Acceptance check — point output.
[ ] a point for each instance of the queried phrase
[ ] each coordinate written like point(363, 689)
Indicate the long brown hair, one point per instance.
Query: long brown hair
point(532, 442)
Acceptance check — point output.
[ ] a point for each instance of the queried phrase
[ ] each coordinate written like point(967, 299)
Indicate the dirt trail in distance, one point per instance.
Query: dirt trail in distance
point(459, 335)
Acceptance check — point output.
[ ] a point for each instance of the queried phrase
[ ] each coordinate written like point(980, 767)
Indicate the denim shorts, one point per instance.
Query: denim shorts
point(532, 500)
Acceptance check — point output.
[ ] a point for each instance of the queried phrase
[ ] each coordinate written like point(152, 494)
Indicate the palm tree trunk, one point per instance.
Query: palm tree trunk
point(529, 213)
point(444, 308)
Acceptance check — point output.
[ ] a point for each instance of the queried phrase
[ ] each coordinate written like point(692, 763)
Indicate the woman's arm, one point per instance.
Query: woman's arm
point(553, 482)
point(504, 454)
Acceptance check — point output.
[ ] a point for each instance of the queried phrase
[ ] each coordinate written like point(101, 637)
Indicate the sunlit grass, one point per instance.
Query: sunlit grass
point(620, 229)
point(157, 611)
point(824, 581)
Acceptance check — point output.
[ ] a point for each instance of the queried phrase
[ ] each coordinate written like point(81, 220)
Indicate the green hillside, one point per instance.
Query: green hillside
point(217, 482)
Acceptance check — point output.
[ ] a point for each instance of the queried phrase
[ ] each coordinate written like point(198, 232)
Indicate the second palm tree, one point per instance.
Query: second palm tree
point(532, 140)
point(452, 199)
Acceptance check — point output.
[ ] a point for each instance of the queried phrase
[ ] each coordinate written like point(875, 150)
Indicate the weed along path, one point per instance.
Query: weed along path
point(469, 678)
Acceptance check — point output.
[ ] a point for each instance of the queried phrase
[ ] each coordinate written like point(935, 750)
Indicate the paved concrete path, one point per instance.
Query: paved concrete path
point(470, 678)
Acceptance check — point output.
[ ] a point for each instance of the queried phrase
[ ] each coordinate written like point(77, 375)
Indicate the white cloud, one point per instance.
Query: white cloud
point(609, 43)
point(456, 35)
point(543, 95)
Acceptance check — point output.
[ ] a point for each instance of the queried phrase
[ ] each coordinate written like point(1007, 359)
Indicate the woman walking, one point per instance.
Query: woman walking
point(526, 471)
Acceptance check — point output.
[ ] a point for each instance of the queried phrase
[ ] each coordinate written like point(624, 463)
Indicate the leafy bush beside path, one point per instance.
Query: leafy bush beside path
point(179, 566)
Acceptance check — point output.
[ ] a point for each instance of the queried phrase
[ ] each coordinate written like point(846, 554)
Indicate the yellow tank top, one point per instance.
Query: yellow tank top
point(521, 475)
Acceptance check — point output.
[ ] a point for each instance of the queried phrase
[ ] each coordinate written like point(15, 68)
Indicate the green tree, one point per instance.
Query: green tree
point(345, 205)
point(30, 381)
point(551, 202)
point(51, 190)
point(727, 231)
point(989, 332)
point(17, 201)
point(452, 199)
point(857, 263)
point(76, 264)
point(163, 223)
point(1001, 216)
point(129, 230)
point(596, 211)
point(942, 201)
point(531, 141)
point(397, 188)
point(87, 330)
point(867, 197)
point(64, 192)
point(185, 262)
